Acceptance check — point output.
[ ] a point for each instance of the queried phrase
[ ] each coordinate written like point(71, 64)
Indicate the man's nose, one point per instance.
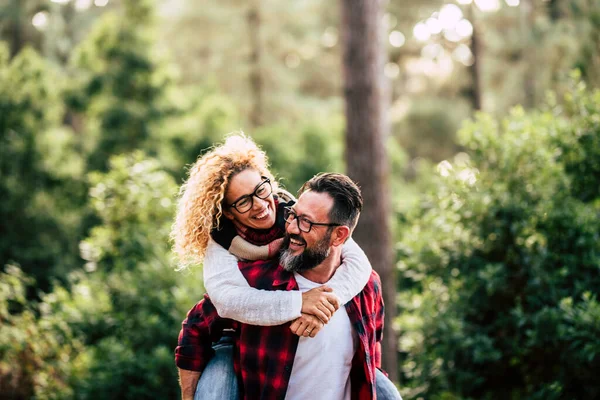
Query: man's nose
point(292, 227)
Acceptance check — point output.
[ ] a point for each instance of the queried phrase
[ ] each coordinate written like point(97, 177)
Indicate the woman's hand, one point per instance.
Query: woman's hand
point(307, 325)
point(320, 302)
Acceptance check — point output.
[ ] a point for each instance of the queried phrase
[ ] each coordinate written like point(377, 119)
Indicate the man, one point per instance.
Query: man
point(271, 361)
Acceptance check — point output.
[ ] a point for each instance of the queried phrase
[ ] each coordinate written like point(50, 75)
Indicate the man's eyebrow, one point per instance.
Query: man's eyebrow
point(305, 215)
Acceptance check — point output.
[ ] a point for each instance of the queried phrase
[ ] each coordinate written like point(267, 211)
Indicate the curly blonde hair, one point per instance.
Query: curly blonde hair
point(200, 205)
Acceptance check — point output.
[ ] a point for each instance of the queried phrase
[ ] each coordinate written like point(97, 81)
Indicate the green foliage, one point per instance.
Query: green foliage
point(428, 129)
point(296, 153)
point(501, 260)
point(203, 119)
point(581, 149)
point(129, 304)
point(37, 347)
point(134, 203)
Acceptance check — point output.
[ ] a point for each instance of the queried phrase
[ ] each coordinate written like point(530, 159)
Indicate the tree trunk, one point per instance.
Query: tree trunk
point(256, 81)
point(365, 100)
point(16, 42)
point(529, 47)
point(475, 69)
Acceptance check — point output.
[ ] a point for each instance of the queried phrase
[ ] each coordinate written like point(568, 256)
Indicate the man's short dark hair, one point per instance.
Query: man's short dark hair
point(347, 199)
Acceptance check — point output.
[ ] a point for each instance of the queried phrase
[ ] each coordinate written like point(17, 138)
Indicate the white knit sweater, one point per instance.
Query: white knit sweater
point(235, 299)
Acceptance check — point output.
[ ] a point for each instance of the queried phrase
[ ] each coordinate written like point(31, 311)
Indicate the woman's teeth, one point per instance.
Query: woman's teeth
point(263, 214)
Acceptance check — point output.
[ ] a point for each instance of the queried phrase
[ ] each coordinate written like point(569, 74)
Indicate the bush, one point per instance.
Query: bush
point(130, 303)
point(37, 347)
point(501, 261)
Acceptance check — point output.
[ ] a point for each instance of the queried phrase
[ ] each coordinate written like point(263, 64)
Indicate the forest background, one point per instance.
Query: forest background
point(493, 156)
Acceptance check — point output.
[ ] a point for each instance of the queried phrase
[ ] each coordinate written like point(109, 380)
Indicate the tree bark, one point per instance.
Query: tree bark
point(256, 81)
point(16, 42)
point(475, 69)
point(527, 27)
point(365, 100)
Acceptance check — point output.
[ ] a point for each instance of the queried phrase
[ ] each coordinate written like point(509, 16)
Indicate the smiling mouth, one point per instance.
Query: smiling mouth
point(297, 242)
point(263, 215)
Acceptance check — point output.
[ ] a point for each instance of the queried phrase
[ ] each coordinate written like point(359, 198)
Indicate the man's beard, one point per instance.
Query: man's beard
point(309, 258)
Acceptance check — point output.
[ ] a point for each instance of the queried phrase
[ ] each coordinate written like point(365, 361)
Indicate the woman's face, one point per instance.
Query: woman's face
point(249, 186)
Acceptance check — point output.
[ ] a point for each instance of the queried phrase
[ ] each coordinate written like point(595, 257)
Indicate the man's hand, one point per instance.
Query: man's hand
point(307, 325)
point(188, 381)
point(320, 302)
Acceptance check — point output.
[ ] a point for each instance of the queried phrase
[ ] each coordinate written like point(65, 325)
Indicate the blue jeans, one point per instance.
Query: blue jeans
point(218, 381)
point(385, 389)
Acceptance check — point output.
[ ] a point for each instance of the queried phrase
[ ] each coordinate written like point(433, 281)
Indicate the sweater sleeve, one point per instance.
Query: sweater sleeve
point(233, 297)
point(353, 274)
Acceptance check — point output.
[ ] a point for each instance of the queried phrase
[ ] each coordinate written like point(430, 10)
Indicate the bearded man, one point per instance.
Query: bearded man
point(271, 362)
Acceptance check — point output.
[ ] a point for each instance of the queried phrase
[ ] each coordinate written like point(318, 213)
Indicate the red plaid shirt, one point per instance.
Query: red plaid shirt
point(264, 355)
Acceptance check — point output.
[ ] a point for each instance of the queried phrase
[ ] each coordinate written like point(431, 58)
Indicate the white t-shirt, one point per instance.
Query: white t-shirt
point(322, 364)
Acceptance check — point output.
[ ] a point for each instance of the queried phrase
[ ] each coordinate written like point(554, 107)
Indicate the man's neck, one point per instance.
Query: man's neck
point(323, 272)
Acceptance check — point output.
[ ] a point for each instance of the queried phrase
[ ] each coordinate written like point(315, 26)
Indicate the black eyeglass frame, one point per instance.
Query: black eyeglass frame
point(288, 211)
point(251, 196)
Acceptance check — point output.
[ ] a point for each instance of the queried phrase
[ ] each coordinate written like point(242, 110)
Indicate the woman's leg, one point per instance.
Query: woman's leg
point(218, 380)
point(385, 388)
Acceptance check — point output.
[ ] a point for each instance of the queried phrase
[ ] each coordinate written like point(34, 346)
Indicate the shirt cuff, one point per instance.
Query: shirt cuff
point(296, 303)
point(192, 358)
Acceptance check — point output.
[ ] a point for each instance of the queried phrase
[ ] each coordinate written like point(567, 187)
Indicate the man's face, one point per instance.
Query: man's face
point(300, 250)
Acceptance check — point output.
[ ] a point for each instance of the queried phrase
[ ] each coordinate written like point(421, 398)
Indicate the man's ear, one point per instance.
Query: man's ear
point(340, 234)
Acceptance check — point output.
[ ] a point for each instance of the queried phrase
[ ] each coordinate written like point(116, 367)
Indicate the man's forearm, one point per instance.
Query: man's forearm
point(188, 381)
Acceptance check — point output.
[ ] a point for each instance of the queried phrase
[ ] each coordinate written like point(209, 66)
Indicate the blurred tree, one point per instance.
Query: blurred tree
point(52, 28)
point(367, 162)
point(300, 151)
point(476, 68)
point(40, 171)
point(292, 48)
point(253, 19)
point(126, 95)
point(16, 27)
point(120, 85)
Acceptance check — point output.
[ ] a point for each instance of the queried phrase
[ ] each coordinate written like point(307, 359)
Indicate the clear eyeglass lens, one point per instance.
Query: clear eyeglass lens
point(244, 204)
point(304, 224)
point(263, 191)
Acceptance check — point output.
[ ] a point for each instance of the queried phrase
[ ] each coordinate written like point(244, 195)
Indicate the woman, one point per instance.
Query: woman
point(231, 198)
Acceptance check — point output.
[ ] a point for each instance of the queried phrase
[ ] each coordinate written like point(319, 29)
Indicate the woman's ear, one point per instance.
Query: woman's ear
point(228, 214)
point(340, 235)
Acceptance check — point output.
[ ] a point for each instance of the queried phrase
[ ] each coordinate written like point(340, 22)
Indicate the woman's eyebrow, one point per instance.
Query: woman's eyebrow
point(249, 194)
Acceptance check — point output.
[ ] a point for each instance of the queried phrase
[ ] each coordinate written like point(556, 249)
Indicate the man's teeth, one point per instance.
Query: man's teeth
point(296, 242)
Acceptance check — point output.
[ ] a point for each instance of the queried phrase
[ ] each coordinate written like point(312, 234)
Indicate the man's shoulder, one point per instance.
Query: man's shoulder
point(374, 280)
point(373, 286)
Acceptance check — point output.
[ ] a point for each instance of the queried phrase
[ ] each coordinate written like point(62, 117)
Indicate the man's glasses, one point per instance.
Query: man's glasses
point(304, 224)
point(262, 191)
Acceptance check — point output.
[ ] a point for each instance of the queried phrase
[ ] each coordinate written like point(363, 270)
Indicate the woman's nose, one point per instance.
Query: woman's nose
point(259, 203)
